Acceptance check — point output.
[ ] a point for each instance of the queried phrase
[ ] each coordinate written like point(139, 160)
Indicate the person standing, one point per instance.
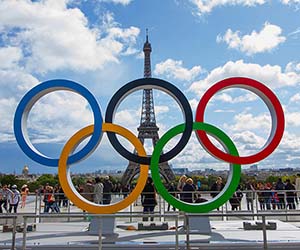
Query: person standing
point(88, 191)
point(290, 194)
point(107, 189)
point(98, 191)
point(2, 200)
point(24, 194)
point(250, 196)
point(217, 187)
point(297, 186)
point(235, 200)
point(149, 199)
point(261, 196)
point(14, 199)
point(180, 186)
point(268, 195)
point(52, 203)
point(4, 194)
point(188, 191)
point(279, 187)
point(172, 191)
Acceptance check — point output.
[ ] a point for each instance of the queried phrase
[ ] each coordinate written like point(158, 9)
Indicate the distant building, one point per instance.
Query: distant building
point(181, 171)
point(253, 168)
point(25, 171)
point(286, 169)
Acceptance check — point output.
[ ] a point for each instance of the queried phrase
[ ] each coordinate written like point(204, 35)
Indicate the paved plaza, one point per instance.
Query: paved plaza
point(69, 232)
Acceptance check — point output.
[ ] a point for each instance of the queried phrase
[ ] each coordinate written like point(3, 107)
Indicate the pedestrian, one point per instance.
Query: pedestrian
point(188, 191)
point(250, 195)
point(297, 186)
point(148, 199)
point(180, 185)
point(125, 190)
point(57, 195)
point(235, 200)
point(275, 199)
point(217, 187)
point(4, 194)
point(88, 190)
point(268, 195)
point(279, 187)
point(261, 197)
point(14, 199)
point(24, 194)
point(98, 191)
point(290, 194)
point(107, 189)
point(172, 191)
point(51, 202)
point(198, 185)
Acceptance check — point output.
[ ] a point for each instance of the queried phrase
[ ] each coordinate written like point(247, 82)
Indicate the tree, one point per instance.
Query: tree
point(47, 179)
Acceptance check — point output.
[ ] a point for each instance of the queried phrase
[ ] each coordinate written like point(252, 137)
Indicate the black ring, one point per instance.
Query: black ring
point(149, 83)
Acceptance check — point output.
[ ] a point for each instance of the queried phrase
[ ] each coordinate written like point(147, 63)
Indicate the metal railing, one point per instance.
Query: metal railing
point(175, 216)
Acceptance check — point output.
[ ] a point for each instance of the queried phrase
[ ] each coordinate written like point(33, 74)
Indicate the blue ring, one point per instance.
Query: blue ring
point(31, 97)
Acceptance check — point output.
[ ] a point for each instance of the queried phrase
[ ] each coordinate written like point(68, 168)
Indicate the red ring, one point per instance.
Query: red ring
point(271, 101)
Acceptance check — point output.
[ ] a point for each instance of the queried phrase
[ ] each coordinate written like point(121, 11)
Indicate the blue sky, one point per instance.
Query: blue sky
point(195, 43)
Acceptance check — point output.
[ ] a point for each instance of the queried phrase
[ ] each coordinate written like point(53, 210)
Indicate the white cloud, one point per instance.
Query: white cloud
point(247, 121)
point(128, 117)
point(295, 98)
point(55, 37)
point(206, 6)
point(257, 42)
point(294, 33)
point(289, 2)
point(7, 108)
point(161, 109)
point(249, 97)
point(48, 36)
point(10, 57)
point(13, 84)
point(293, 67)
point(292, 118)
point(272, 76)
point(249, 139)
point(290, 143)
point(174, 69)
point(57, 116)
point(194, 103)
point(123, 2)
point(53, 118)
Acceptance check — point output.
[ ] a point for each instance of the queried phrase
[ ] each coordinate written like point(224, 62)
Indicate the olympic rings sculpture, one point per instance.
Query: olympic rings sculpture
point(96, 130)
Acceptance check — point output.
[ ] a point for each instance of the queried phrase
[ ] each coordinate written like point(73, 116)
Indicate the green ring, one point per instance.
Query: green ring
point(232, 180)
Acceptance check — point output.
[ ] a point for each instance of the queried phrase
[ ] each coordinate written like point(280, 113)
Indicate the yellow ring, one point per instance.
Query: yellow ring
point(66, 181)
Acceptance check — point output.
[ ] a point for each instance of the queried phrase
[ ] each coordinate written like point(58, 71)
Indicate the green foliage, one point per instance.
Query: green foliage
point(47, 178)
point(8, 180)
point(271, 179)
point(206, 181)
point(78, 181)
point(11, 180)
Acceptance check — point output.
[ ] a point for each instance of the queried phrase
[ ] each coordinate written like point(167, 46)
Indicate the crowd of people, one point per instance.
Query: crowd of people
point(11, 197)
point(278, 195)
point(266, 196)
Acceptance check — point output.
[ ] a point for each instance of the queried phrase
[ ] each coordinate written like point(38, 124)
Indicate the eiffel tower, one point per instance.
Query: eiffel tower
point(148, 128)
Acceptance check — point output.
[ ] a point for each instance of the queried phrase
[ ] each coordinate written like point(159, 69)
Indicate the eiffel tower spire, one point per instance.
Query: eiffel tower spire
point(148, 128)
